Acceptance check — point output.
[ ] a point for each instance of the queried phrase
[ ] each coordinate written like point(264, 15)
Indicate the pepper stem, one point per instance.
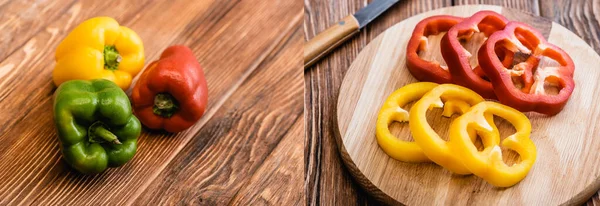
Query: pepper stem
point(111, 58)
point(98, 133)
point(165, 105)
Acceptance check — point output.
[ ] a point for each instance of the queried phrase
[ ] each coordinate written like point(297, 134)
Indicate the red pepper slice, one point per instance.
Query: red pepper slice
point(532, 96)
point(457, 57)
point(421, 69)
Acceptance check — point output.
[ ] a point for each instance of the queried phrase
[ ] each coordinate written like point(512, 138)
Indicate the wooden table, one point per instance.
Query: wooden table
point(243, 151)
point(327, 180)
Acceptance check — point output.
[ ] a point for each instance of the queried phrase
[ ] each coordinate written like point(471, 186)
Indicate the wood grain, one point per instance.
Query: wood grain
point(530, 6)
point(277, 183)
point(380, 69)
point(239, 44)
point(323, 166)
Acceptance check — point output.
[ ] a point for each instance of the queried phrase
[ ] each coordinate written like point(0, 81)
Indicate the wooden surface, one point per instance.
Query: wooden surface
point(563, 148)
point(327, 180)
point(243, 151)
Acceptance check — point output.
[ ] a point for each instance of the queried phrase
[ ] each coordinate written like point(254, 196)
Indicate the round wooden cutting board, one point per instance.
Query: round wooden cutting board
point(568, 144)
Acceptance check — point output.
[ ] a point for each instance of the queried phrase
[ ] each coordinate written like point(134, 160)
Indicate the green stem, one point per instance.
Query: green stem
point(98, 133)
point(165, 105)
point(111, 58)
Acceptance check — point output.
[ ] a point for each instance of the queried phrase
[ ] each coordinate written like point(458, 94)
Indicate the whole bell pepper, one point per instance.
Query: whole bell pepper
point(433, 146)
point(95, 124)
point(457, 57)
point(421, 69)
point(488, 164)
point(99, 48)
point(171, 93)
point(530, 94)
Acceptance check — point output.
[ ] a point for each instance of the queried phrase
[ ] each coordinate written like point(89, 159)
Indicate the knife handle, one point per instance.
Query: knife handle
point(324, 42)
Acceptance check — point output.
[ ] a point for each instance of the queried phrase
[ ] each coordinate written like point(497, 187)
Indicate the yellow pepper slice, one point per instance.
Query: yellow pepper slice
point(392, 111)
point(99, 48)
point(488, 164)
point(458, 99)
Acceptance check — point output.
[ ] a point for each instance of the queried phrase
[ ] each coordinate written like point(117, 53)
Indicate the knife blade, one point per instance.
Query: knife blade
point(326, 41)
point(372, 11)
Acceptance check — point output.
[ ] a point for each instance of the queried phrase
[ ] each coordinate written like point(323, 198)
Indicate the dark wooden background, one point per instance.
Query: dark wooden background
point(246, 150)
point(327, 181)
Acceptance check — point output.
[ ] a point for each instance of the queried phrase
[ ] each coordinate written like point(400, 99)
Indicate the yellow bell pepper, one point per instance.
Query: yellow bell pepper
point(488, 164)
point(99, 48)
point(458, 100)
point(392, 111)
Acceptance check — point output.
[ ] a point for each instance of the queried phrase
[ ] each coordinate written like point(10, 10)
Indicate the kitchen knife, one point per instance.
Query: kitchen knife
point(324, 42)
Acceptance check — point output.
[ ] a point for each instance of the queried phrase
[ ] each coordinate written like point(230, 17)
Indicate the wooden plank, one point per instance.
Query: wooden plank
point(581, 17)
point(278, 181)
point(327, 180)
point(21, 20)
point(531, 6)
point(252, 122)
point(325, 176)
point(42, 88)
point(34, 172)
point(279, 178)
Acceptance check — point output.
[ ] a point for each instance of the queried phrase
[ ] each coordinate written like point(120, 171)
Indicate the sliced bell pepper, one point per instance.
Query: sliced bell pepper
point(421, 69)
point(392, 111)
point(457, 57)
point(95, 124)
point(434, 147)
point(171, 93)
point(488, 164)
point(99, 48)
point(531, 95)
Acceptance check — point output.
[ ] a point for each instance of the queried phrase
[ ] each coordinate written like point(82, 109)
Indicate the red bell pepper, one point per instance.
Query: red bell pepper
point(171, 93)
point(421, 69)
point(530, 94)
point(457, 57)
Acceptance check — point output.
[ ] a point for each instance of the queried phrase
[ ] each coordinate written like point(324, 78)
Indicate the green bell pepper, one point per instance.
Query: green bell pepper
point(95, 125)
